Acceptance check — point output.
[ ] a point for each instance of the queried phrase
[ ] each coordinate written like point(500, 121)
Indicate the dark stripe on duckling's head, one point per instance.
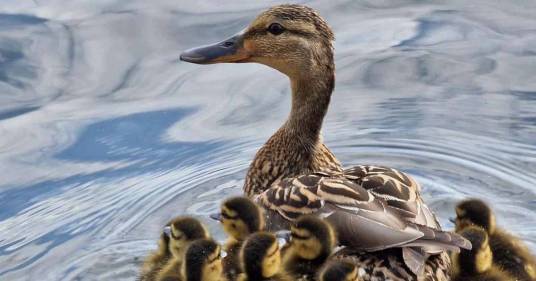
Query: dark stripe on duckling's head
point(316, 230)
point(245, 210)
point(187, 228)
point(477, 212)
point(479, 258)
point(338, 271)
point(257, 248)
point(200, 253)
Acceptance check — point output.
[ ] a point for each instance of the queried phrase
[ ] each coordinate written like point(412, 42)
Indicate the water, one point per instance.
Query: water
point(105, 135)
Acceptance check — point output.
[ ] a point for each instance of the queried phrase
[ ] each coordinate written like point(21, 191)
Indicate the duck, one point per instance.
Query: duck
point(338, 271)
point(181, 231)
point(202, 262)
point(477, 264)
point(509, 252)
point(156, 260)
point(312, 242)
point(174, 238)
point(372, 208)
point(240, 217)
point(260, 259)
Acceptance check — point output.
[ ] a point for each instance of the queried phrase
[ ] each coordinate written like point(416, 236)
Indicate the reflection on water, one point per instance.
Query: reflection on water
point(106, 135)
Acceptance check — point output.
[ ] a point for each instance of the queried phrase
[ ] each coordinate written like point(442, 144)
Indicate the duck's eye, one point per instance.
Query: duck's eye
point(276, 28)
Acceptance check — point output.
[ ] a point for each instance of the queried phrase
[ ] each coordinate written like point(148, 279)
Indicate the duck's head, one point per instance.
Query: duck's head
point(202, 261)
point(260, 257)
point(240, 217)
point(479, 258)
point(338, 271)
point(293, 39)
point(474, 212)
point(182, 231)
point(312, 238)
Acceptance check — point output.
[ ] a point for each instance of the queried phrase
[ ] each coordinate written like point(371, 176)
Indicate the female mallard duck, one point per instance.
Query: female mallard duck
point(202, 262)
point(509, 252)
point(476, 264)
point(177, 234)
point(371, 208)
point(260, 259)
point(338, 271)
point(313, 240)
point(240, 217)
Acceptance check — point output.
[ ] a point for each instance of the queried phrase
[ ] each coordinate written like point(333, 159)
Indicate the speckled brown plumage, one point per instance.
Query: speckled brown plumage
point(388, 265)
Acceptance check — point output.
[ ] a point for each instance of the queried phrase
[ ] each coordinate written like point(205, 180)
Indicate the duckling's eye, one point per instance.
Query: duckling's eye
point(276, 28)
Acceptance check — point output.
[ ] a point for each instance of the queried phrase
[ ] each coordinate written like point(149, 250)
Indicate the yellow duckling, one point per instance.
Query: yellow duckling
point(240, 217)
point(311, 244)
point(202, 262)
point(260, 259)
point(509, 252)
point(476, 264)
point(181, 231)
point(156, 260)
point(338, 271)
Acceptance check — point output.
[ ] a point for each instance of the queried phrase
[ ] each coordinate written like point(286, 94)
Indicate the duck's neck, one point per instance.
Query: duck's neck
point(296, 147)
point(310, 101)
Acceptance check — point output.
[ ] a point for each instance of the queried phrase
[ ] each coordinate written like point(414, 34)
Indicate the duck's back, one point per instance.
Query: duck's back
point(511, 255)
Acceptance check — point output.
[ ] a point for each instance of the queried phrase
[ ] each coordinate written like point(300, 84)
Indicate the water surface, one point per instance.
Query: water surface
point(105, 135)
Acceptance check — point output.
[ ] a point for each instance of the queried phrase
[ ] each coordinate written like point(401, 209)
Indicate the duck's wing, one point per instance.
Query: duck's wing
point(361, 219)
point(399, 190)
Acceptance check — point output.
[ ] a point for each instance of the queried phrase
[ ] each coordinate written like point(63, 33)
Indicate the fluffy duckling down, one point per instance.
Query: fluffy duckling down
point(202, 262)
point(175, 238)
point(312, 242)
point(509, 252)
point(476, 264)
point(239, 217)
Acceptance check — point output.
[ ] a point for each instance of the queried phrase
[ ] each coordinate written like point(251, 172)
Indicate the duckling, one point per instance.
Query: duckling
point(509, 252)
point(260, 259)
point(156, 260)
point(181, 231)
point(372, 208)
point(202, 262)
point(311, 244)
point(338, 271)
point(476, 264)
point(240, 217)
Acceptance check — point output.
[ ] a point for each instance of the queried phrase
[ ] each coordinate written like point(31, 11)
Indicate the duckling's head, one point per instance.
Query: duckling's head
point(312, 238)
point(260, 256)
point(202, 261)
point(474, 212)
point(182, 231)
point(479, 258)
point(293, 39)
point(338, 271)
point(240, 217)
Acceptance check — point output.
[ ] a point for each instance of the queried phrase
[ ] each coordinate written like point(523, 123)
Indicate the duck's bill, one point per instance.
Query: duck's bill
point(229, 50)
point(216, 216)
point(452, 220)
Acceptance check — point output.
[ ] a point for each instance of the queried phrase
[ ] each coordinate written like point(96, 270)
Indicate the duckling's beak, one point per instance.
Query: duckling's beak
point(229, 50)
point(452, 220)
point(216, 216)
point(167, 231)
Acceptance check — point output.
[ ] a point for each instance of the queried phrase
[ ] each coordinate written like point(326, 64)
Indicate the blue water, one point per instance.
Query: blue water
point(105, 135)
